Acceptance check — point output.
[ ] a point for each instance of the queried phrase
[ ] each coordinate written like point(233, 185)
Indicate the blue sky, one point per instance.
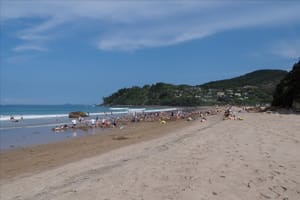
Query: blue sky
point(56, 52)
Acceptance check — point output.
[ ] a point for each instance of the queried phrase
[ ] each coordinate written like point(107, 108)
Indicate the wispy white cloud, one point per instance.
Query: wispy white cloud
point(29, 48)
point(40, 32)
point(18, 59)
point(197, 25)
point(132, 25)
point(287, 49)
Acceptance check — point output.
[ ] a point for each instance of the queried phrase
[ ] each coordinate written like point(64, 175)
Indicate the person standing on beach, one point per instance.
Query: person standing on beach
point(93, 122)
point(74, 122)
point(114, 123)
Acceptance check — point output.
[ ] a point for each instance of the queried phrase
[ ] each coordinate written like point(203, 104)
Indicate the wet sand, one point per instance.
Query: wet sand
point(256, 158)
point(37, 158)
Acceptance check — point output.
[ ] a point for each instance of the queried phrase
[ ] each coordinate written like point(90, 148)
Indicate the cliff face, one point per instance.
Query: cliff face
point(287, 93)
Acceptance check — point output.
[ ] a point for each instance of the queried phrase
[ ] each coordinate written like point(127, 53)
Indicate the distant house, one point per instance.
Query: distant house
point(237, 94)
point(229, 91)
point(220, 94)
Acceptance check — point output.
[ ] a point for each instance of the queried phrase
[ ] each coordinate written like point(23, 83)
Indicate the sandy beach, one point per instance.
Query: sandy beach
point(254, 158)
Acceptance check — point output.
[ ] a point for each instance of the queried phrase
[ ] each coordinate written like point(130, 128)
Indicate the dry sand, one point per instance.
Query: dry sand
point(257, 158)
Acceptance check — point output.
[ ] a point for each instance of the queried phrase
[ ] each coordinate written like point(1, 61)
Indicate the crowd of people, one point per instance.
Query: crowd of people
point(230, 114)
point(113, 121)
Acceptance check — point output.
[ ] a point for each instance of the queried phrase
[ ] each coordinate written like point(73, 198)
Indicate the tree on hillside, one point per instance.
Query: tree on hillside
point(287, 93)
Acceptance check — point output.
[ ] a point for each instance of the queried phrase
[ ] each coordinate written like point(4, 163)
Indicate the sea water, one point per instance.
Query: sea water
point(32, 124)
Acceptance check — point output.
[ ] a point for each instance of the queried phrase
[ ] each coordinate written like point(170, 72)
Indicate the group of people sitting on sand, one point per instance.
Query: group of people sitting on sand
point(229, 114)
point(111, 121)
point(189, 115)
point(82, 123)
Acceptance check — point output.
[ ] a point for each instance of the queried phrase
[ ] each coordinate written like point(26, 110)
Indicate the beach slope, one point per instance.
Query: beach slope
point(255, 158)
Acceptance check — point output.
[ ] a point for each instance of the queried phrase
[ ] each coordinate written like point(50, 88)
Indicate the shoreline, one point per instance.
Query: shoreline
point(36, 158)
point(30, 132)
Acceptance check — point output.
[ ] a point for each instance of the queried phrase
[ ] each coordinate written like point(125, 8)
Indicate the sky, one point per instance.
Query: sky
point(71, 51)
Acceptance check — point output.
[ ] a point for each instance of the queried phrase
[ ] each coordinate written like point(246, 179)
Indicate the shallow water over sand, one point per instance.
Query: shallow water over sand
point(33, 124)
point(24, 137)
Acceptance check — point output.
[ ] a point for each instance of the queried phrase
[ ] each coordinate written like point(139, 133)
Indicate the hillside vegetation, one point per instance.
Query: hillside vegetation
point(260, 78)
point(250, 89)
point(287, 92)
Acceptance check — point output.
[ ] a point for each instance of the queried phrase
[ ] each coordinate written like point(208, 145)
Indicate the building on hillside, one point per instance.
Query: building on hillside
point(220, 94)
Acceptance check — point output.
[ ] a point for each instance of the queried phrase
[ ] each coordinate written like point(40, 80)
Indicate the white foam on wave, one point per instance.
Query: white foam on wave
point(161, 110)
point(113, 108)
point(131, 110)
point(105, 113)
point(19, 117)
point(136, 110)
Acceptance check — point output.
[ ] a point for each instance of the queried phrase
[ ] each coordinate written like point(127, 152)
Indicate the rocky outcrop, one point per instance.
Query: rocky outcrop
point(287, 93)
point(296, 104)
point(77, 114)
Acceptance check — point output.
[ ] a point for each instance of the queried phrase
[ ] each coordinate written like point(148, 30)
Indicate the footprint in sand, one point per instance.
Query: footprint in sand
point(284, 188)
point(215, 193)
point(273, 190)
point(265, 196)
point(281, 166)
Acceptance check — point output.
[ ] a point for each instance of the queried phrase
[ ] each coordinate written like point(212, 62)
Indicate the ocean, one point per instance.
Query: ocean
point(32, 124)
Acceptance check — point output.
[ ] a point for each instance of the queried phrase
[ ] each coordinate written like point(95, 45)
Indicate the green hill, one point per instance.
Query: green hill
point(267, 79)
point(250, 89)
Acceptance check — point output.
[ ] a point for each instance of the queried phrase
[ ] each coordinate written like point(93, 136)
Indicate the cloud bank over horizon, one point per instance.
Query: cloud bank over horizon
point(135, 25)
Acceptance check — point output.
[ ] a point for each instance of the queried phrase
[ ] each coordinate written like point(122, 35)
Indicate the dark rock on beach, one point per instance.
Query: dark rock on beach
point(77, 114)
